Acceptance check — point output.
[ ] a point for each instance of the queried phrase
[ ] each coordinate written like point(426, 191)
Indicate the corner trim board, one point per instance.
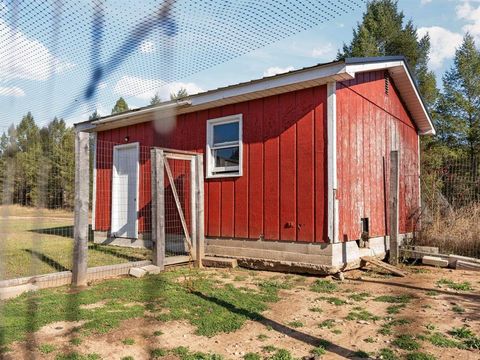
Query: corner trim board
point(332, 161)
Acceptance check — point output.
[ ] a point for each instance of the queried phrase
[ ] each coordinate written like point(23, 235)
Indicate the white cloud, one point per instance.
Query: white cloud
point(274, 70)
point(424, 2)
point(147, 46)
point(326, 51)
point(102, 85)
point(24, 58)
point(145, 89)
point(443, 44)
point(11, 91)
point(466, 11)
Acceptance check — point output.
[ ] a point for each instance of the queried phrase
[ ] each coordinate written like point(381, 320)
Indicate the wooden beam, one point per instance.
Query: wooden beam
point(199, 196)
point(158, 207)
point(393, 206)
point(179, 205)
point(80, 232)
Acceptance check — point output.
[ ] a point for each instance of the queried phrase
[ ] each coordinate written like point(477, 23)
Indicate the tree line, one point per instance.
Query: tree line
point(383, 31)
point(37, 164)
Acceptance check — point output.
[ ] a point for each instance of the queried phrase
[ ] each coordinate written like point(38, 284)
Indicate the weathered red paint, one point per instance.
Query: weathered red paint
point(281, 195)
point(370, 124)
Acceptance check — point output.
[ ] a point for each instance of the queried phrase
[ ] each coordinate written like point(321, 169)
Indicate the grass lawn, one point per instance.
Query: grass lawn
point(39, 242)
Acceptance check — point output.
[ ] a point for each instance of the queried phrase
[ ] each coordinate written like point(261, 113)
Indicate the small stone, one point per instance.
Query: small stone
point(137, 272)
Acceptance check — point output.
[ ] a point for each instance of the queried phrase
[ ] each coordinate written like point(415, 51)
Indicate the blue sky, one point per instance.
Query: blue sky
point(50, 76)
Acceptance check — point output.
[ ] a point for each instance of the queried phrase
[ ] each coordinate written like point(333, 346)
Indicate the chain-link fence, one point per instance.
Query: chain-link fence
point(451, 206)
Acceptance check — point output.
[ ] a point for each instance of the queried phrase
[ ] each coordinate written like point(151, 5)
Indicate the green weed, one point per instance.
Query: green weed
point(460, 286)
point(329, 323)
point(315, 309)
point(295, 324)
point(47, 348)
point(395, 309)
point(323, 286)
point(462, 333)
point(359, 296)
point(76, 341)
point(440, 340)
point(262, 337)
point(420, 356)
point(406, 342)
point(252, 356)
point(362, 315)
point(394, 299)
point(458, 309)
point(128, 341)
point(387, 354)
point(332, 300)
point(281, 354)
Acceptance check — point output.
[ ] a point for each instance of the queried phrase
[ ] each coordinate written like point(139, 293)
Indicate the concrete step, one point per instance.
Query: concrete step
point(434, 261)
point(464, 265)
point(151, 269)
point(219, 262)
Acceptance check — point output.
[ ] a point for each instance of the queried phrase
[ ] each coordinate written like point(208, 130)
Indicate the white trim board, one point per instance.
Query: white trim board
point(295, 80)
point(332, 216)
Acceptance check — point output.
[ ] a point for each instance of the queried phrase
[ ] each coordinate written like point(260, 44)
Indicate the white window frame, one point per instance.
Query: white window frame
point(215, 172)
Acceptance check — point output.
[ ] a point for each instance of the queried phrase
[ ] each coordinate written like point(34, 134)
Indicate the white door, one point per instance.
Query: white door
point(125, 191)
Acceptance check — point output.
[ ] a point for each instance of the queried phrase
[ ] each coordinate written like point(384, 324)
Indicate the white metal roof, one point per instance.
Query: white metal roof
point(273, 85)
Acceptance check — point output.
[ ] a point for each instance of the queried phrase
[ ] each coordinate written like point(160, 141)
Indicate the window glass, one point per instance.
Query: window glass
point(227, 157)
point(225, 132)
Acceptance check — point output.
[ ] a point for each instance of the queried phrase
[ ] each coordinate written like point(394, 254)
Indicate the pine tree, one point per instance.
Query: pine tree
point(95, 115)
point(28, 160)
point(382, 32)
point(120, 106)
point(458, 120)
point(180, 94)
point(155, 100)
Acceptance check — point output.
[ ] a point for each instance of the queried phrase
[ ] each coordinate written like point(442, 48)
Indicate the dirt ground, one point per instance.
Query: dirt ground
point(300, 319)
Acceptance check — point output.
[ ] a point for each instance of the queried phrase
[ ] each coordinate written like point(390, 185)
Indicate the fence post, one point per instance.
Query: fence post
point(80, 230)
point(158, 208)
point(199, 198)
point(393, 205)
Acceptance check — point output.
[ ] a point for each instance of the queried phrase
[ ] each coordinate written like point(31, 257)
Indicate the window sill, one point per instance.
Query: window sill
point(220, 176)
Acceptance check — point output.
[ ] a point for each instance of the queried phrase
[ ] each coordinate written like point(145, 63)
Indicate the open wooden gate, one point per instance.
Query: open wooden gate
point(177, 207)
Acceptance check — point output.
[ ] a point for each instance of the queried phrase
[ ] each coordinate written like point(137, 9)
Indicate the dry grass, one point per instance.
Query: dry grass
point(455, 231)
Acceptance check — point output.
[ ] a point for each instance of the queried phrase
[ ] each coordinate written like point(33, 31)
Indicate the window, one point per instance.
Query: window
point(224, 146)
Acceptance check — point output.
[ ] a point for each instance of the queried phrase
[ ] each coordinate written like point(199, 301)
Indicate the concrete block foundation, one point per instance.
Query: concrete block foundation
point(314, 258)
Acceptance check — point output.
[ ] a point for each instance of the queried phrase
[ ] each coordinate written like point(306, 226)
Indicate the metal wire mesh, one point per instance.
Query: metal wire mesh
point(176, 242)
point(451, 206)
point(89, 41)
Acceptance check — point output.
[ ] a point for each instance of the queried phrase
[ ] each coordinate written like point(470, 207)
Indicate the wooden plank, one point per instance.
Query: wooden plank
point(240, 210)
point(80, 232)
point(383, 265)
point(199, 198)
point(305, 166)
point(288, 187)
point(178, 205)
point(158, 207)
point(320, 159)
point(253, 135)
point(271, 193)
point(393, 206)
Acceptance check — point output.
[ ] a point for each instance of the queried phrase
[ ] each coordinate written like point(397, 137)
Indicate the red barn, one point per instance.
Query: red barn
point(296, 165)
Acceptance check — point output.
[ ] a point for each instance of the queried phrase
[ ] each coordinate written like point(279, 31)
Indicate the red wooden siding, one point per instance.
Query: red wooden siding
point(370, 124)
point(282, 193)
